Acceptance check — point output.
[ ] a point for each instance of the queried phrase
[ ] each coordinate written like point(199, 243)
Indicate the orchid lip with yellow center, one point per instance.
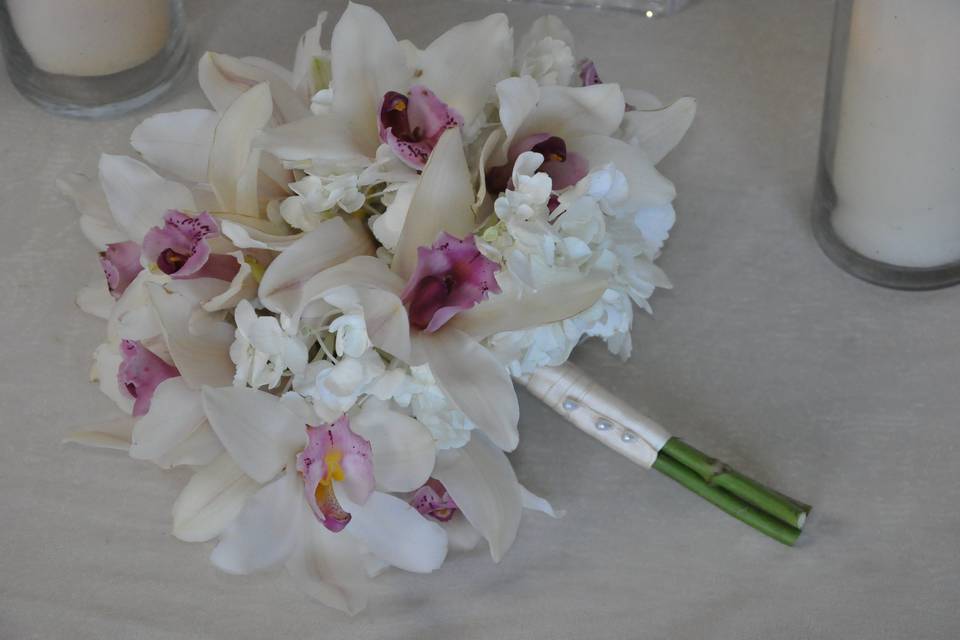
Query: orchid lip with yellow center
point(451, 276)
point(335, 458)
point(412, 124)
point(179, 248)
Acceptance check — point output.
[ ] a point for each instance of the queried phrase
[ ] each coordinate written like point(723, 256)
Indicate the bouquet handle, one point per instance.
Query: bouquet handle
point(600, 414)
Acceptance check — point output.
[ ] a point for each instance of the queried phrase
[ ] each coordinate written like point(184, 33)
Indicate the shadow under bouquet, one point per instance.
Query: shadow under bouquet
point(320, 292)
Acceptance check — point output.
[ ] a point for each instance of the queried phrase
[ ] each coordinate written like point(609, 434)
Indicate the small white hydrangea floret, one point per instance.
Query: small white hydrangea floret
point(262, 351)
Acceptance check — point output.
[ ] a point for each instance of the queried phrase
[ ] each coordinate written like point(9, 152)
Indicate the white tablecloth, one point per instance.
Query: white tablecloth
point(764, 354)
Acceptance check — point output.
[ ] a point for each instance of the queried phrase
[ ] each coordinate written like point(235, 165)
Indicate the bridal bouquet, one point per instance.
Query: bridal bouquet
point(318, 293)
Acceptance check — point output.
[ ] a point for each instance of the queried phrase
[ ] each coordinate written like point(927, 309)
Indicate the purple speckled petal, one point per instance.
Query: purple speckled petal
point(140, 373)
point(121, 264)
point(179, 248)
point(451, 276)
point(334, 453)
point(588, 73)
point(412, 125)
point(433, 501)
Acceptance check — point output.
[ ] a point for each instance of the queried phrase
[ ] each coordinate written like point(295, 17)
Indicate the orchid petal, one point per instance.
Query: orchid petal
point(643, 100)
point(331, 243)
point(453, 70)
point(106, 364)
point(267, 530)
point(359, 271)
point(534, 502)
point(442, 202)
point(518, 98)
point(96, 300)
point(231, 148)
point(96, 221)
point(198, 449)
point(480, 479)
point(224, 78)
point(114, 434)
point(461, 535)
point(308, 49)
point(132, 317)
point(648, 187)
point(520, 307)
point(483, 205)
point(329, 567)
point(658, 132)
point(570, 112)
point(178, 142)
point(320, 137)
point(363, 47)
point(258, 431)
point(213, 497)
point(175, 413)
point(403, 449)
point(201, 359)
point(250, 236)
point(242, 287)
point(396, 533)
point(138, 196)
point(476, 382)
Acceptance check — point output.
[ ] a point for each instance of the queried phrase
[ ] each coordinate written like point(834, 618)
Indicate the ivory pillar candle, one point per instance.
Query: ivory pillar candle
point(90, 37)
point(896, 169)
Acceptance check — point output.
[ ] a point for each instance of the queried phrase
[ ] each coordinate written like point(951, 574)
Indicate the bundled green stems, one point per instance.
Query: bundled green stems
point(772, 513)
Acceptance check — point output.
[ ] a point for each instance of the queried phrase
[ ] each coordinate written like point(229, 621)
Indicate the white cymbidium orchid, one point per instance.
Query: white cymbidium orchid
point(474, 494)
point(158, 381)
point(408, 97)
point(180, 142)
point(431, 306)
point(324, 508)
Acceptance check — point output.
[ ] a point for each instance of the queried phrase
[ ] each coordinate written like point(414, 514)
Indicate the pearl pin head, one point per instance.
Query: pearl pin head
point(569, 405)
point(629, 436)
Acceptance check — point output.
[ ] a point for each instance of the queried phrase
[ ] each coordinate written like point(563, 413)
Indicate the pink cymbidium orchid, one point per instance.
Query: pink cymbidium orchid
point(323, 510)
point(180, 249)
point(121, 264)
point(412, 124)
point(140, 373)
point(432, 305)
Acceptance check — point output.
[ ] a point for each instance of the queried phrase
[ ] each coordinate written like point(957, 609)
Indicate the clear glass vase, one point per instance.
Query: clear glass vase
point(887, 200)
point(93, 58)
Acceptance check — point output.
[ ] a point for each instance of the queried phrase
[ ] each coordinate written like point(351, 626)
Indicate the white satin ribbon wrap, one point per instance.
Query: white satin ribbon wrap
point(597, 412)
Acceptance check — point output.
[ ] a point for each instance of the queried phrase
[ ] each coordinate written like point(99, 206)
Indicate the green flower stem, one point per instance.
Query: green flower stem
point(759, 520)
point(718, 474)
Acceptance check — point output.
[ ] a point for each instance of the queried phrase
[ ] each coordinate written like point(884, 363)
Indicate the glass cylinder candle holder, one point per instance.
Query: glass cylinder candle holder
point(93, 58)
point(649, 8)
point(887, 200)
